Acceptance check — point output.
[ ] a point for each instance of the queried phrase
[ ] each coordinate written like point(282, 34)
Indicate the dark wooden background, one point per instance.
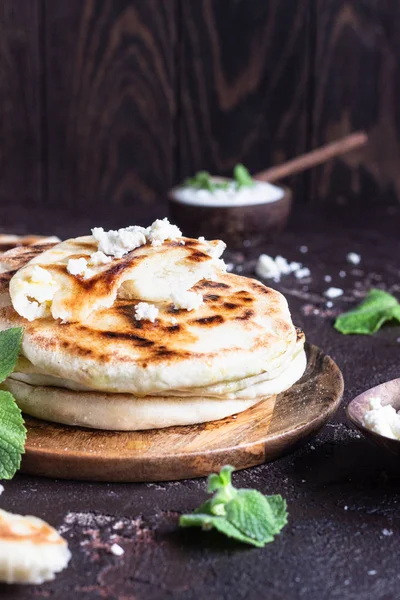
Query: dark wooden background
point(104, 104)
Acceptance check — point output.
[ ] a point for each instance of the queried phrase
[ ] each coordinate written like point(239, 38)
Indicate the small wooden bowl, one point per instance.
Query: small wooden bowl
point(255, 223)
point(389, 393)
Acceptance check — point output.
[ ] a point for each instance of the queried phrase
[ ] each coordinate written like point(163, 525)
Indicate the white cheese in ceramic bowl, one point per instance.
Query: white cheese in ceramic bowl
point(259, 193)
point(383, 420)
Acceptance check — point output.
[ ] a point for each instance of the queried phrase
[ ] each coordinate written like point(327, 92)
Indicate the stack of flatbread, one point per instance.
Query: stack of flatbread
point(128, 338)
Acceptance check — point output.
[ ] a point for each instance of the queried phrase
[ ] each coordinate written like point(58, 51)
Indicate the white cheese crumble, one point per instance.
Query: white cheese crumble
point(117, 550)
point(77, 266)
point(119, 242)
point(1, 489)
point(304, 249)
point(353, 258)
point(327, 278)
point(387, 532)
point(99, 258)
point(342, 274)
point(273, 268)
point(162, 230)
point(333, 292)
point(382, 419)
point(33, 295)
point(146, 312)
point(302, 273)
point(187, 300)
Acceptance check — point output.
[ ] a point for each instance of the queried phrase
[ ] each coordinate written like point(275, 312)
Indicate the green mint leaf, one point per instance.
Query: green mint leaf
point(377, 308)
point(10, 343)
point(12, 436)
point(207, 522)
point(203, 181)
point(242, 176)
point(252, 513)
point(279, 509)
point(218, 481)
point(246, 515)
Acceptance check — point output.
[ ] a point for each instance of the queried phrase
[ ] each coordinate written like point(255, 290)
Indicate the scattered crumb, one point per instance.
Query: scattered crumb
point(345, 508)
point(273, 268)
point(333, 292)
point(353, 258)
point(371, 572)
point(342, 274)
point(387, 532)
point(1, 489)
point(327, 278)
point(304, 249)
point(329, 304)
point(312, 447)
point(117, 550)
point(302, 273)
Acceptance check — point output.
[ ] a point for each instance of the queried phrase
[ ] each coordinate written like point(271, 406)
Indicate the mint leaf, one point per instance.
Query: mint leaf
point(242, 176)
point(253, 514)
point(10, 342)
point(203, 181)
point(12, 436)
point(246, 515)
point(221, 524)
point(377, 308)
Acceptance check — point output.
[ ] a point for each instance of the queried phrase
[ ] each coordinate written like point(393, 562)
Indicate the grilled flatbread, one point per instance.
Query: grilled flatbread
point(31, 551)
point(9, 241)
point(110, 370)
point(45, 286)
point(126, 412)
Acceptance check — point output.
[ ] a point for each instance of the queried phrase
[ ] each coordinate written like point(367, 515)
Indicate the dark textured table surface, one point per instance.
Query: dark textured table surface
point(342, 540)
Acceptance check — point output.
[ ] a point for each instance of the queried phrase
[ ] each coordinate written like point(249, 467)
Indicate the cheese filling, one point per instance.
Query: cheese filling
point(43, 287)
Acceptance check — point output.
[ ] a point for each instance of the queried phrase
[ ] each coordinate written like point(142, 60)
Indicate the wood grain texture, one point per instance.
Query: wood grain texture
point(20, 103)
point(110, 103)
point(259, 434)
point(243, 84)
point(357, 79)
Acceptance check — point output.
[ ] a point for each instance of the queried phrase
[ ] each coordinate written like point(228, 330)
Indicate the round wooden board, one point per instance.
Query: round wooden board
point(260, 434)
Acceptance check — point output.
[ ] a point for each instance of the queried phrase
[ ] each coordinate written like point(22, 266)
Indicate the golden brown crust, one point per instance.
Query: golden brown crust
point(239, 317)
point(18, 528)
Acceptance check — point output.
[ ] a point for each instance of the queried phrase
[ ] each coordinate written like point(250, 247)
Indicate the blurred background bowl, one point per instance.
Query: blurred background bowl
point(255, 223)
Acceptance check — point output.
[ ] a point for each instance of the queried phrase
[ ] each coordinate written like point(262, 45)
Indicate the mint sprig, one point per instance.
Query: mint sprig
point(245, 515)
point(367, 318)
point(203, 181)
point(242, 176)
point(12, 430)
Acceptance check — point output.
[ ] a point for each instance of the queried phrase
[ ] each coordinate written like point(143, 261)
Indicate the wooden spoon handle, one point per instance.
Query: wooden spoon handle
point(313, 158)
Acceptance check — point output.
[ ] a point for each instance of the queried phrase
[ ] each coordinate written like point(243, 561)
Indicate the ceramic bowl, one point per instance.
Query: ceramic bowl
point(389, 393)
point(250, 223)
